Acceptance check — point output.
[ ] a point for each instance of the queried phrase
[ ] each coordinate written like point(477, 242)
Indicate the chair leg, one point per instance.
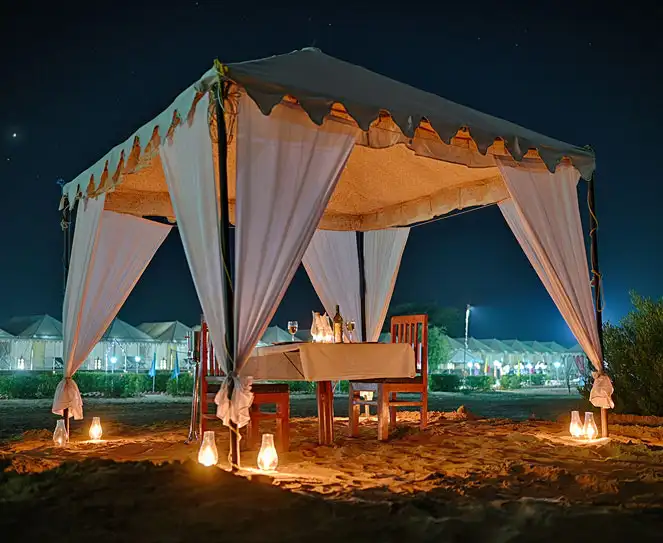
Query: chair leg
point(383, 414)
point(353, 412)
point(286, 424)
point(424, 409)
point(392, 410)
point(253, 429)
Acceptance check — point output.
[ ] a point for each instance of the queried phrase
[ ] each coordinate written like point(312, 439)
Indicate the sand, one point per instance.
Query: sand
point(462, 479)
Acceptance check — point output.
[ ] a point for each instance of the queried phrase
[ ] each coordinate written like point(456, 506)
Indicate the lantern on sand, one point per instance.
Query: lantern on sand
point(95, 429)
point(268, 460)
point(60, 436)
point(208, 455)
point(576, 428)
point(591, 431)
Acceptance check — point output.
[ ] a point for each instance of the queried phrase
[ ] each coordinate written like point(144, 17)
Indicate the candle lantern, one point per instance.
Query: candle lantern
point(591, 431)
point(60, 436)
point(268, 460)
point(208, 455)
point(95, 429)
point(576, 428)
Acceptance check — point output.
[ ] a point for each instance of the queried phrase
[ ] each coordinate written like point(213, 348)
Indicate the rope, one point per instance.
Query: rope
point(450, 215)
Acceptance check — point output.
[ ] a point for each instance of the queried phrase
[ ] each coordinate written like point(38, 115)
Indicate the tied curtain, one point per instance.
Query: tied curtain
point(194, 192)
point(287, 170)
point(332, 264)
point(109, 254)
point(543, 215)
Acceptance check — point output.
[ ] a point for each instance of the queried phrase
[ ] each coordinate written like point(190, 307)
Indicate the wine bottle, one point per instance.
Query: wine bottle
point(338, 326)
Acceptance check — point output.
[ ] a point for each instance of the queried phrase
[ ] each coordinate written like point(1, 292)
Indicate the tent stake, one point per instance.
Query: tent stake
point(362, 284)
point(222, 146)
point(596, 283)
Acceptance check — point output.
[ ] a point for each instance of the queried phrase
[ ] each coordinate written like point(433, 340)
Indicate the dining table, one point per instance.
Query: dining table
point(324, 363)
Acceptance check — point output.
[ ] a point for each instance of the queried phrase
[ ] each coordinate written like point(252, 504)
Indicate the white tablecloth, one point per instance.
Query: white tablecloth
point(331, 362)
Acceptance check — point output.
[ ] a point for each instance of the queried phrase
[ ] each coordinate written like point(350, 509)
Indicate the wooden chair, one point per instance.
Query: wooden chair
point(412, 329)
point(270, 394)
point(211, 377)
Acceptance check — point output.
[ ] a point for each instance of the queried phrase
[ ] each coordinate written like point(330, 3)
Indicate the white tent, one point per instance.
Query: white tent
point(306, 142)
point(36, 343)
point(172, 339)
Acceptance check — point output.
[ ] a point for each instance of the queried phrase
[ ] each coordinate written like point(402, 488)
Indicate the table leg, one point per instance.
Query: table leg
point(325, 396)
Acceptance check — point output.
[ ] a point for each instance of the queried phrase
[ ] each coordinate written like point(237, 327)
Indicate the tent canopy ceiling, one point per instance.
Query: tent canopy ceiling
point(419, 155)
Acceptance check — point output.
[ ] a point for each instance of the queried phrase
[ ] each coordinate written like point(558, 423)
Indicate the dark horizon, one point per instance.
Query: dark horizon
point(80, 84)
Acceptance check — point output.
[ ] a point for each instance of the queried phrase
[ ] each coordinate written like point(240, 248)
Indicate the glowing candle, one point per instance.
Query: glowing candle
point(60, 436)
point(591, 431)
point(576, 428)
point(208, 455)
point(268, 460)
point(95, 429)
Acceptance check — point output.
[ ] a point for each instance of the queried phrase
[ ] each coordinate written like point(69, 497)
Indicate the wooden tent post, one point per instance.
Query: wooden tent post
point(222, 145)
point(362, 283)
point(596, 283)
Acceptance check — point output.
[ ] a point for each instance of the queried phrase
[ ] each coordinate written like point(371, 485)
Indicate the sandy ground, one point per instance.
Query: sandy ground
point(462, 479)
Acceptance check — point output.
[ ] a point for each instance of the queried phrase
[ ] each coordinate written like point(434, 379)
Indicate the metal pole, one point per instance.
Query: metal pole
point(362, 283)
point(596, 284)
point(65, 224)
point(467, 331)
point(222, 146)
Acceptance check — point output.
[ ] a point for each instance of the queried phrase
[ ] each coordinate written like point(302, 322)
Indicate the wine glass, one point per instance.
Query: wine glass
point(350, 325)
point(293, 326)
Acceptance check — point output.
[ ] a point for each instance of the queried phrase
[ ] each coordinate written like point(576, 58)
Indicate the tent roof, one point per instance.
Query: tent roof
point(419, 155)
point(5, 335)
point(166, 332)
point(474, 345)
point(498, 346)
point(34, 327)
point(122, 331)
point(519, 346)
point(274, 334)
point(554, 346)
point(576, 349)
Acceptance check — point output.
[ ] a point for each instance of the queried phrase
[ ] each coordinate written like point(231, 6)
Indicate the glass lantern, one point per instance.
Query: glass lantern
point(95, 429)
point(591, 431)
point(576, 428)
point(208, 455)
point(60, 436)
point(268, 460)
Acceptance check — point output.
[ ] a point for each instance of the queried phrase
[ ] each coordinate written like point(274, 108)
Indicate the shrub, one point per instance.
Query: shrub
point(511, 382)
point(634, 358)
point(34, 385)
point(479, 383)
point(443, 382)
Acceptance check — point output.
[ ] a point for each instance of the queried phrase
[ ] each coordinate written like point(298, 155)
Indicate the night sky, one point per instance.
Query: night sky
point(79, 78)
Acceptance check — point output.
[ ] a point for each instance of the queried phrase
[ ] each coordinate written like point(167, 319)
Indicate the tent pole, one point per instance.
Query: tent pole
point(65, 224)
point(362, 283)
point(596, 283)
point(222, 146)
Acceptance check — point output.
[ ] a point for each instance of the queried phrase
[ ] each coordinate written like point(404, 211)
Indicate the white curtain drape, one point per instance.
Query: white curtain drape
point(332, 264)
point(287, 169)
point(383, 251)
point(544, 216)
point(109, 254)
point(189, 170)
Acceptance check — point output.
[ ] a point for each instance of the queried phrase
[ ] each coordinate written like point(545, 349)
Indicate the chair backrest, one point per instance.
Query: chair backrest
point(413, 329)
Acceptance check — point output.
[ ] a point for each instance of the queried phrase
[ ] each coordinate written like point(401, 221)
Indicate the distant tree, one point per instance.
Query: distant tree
point(634, 358)
point(439, 351)
point(449, 319)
